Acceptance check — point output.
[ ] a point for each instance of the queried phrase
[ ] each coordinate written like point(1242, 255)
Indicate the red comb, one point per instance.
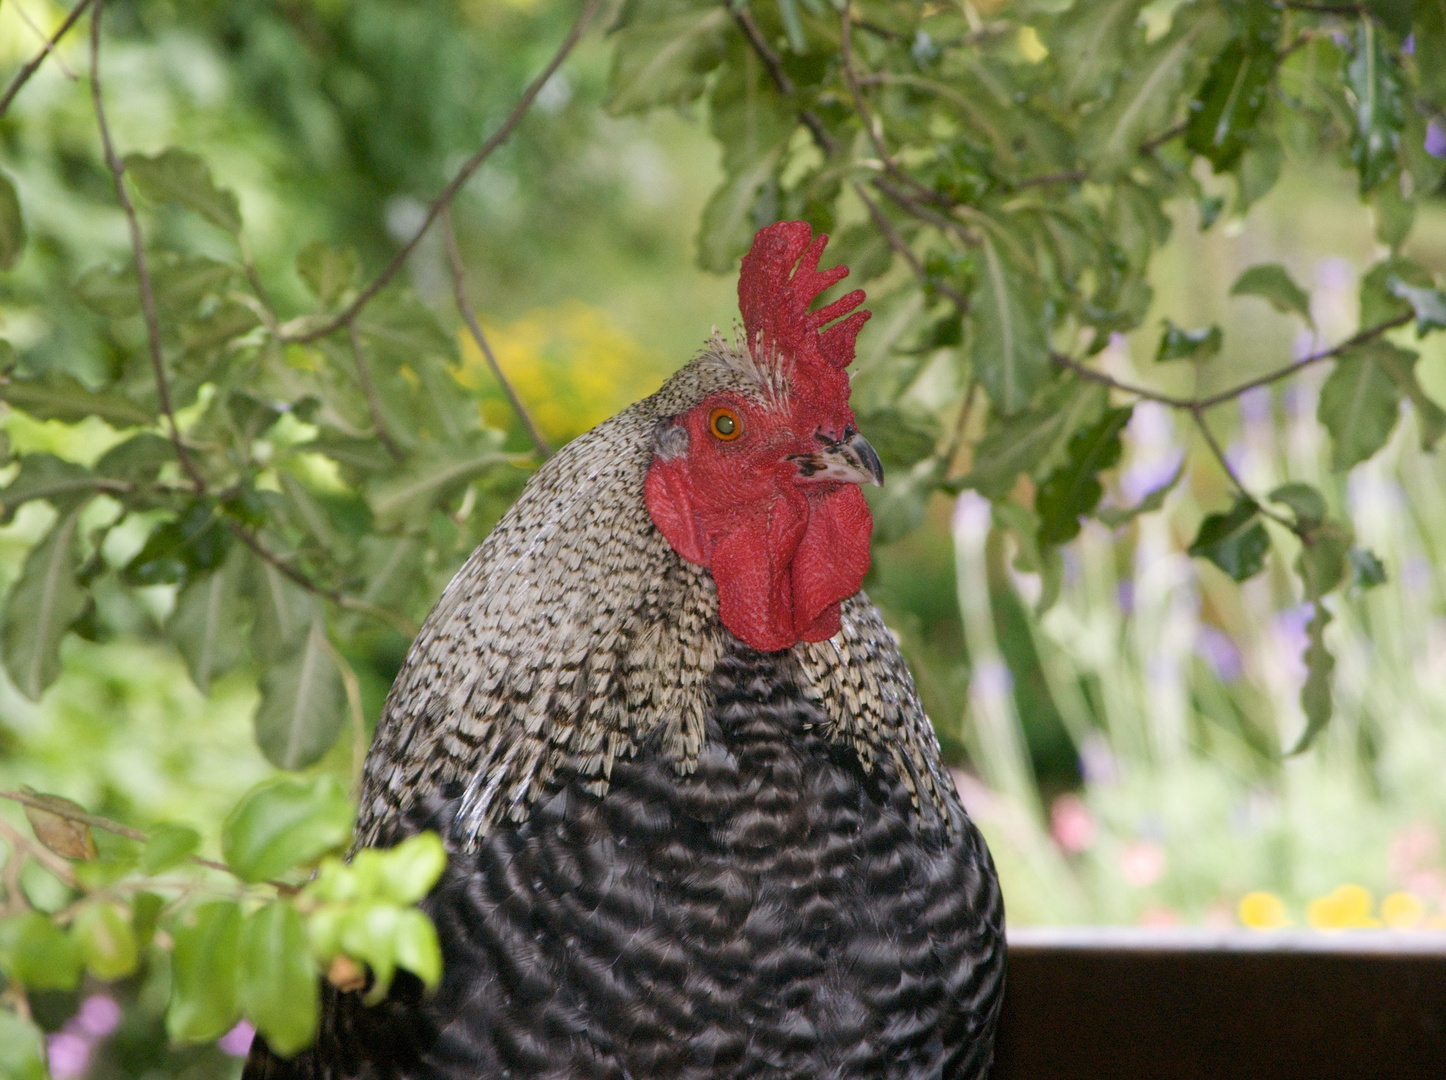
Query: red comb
point(774, 298)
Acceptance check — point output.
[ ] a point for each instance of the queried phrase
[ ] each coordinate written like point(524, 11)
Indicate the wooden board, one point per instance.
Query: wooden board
point(1206, 1005)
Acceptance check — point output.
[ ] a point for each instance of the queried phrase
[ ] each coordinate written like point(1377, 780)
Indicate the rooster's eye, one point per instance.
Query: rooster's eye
point(724, 424)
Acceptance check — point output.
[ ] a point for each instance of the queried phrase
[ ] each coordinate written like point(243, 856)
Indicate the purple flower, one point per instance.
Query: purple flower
point(98, 1017)
point(69, 1055)
point(1408, 47)
point(1220, 652)
point(237, 1041)
point(1255, 405)
point(1435, 139)
point(1127, 596)
point(993, 680)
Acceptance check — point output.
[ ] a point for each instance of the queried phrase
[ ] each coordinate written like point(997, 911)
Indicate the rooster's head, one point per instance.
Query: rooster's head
point(759, 481)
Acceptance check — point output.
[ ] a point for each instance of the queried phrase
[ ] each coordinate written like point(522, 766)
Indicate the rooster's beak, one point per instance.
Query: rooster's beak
point(849, 460)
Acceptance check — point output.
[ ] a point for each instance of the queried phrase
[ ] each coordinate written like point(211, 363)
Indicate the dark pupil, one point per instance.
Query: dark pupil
point(725, 424)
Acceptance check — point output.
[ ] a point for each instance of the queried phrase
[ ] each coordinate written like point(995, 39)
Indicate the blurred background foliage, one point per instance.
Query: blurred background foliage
point(1120, 713)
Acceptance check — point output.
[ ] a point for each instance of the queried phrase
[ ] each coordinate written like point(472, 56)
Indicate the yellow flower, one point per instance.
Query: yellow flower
point(1402, 911)
point(1263, 911)
point(1349, 907)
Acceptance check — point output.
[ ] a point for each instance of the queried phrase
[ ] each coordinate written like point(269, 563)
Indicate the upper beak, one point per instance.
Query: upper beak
point(850, 460)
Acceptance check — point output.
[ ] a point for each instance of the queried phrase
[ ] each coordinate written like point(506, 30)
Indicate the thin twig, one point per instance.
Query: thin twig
point(364, 376)
point(966, 411)
point(464, 305)
point(895, 241)
point(44, 41)
point(774, 63)
point(143, 273)
point(349, 603)
point(23, 75)
point(1198, 416)
point(39, 852)
point(472, 164)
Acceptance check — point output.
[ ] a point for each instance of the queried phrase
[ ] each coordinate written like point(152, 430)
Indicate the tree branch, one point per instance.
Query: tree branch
point(774, 63)
point(23, 75)
point(472, 164)
point(464, 305)
point(143, 273)
point(895, 241)
point(364, 376)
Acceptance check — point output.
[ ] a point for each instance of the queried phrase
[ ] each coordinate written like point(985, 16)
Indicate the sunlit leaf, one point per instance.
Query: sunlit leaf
point(12, 224)
point(1010, 349)
point(328, 272)
point(179, 176)
point(1359, 404)
point(106, 939)
point(1074, 489)
point(1035, 439)
point(1235, 541)
point(285, 823)
point(303, 703)
point(409, 870)
point(21, 1049)
point(38, 954)
point(204, 973)
point(169, 845)
point(408, 495)
point(1088, 44)
point(665, 50)
point(1273, 284)
point(278, 981)
point(43, 603)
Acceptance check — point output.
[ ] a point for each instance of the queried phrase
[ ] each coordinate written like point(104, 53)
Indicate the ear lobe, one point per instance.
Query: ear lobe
point(666, 493)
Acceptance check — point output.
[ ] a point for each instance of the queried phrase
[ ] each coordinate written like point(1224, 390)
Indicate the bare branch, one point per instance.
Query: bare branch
point(472, 164)
point(895, 241)
point(774, 63)
point(143, 273)
point(23, 75)
point(464, 305)
point(364, 377)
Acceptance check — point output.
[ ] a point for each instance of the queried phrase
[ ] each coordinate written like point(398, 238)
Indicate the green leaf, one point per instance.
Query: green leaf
point(38, 954)
point(12, 225)
point(1035, 439)
point(195, 542)
point(1273, 284)
point(327, 271)
point(1430, 34)
point(284, 611)
point(1367, 570)
point(1235, 541)
point(1089, 43)
point(21, 1049)
point(1400, 365)
point(1074, 490)
point(146, 908)
point(1259, 169)
point(137, 460)
point(1179, 344)
point(409, 495)
point(1031, 557)
point(278, 986)
point(900, 506)
point(1315, 695)
point(665, 50)
point(1395, 15)
point(1323, 559)
point(63, 484)
point(1429, 305)
point(106, 940)
point(1395, 214)
point(1230, 101)
point(1373, 82)
point(1379, 303)
point(1359, 404)
point(303, 703)
point(409, 870)
point(1010, 348)
point(204, 973)
point(170, 845)
point(1114, 517)
point(178, 176)
point(416, 947)
point(285, 823)
point(43, 603)
point(1305, 501)
point(206, 624)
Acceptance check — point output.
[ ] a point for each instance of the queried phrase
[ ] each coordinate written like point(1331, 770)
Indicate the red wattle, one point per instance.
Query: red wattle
point(831, 561)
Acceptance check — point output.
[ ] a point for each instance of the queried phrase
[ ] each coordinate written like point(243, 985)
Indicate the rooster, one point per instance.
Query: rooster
point(697, 822)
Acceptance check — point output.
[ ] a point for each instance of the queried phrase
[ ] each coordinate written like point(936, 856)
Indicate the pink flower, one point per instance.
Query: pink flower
point(1158, 915)
point(98, 1017)
point(69, 1055)
point(1414, 848)
point(237, 1041)
point(1071, 824)
point(1143, 863)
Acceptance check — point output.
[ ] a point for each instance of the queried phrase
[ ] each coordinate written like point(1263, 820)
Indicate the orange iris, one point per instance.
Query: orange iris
point(725, 424)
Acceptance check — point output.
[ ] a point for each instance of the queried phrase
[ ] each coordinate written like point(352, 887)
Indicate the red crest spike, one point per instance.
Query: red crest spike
point(780, 278)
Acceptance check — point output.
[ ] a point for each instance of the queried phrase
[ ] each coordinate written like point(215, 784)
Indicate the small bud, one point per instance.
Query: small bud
point(346, 974)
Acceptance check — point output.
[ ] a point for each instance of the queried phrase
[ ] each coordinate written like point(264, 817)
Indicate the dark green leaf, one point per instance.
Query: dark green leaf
point(58, 395)
point(204, 973)
point(1322, 564)
point(1400, 365)
point(1315, 695)
point(1114, 517)
point(1074, 489)
point(1428, 304)
point(285, 823)
point(1258, 169)
point(38, 954)
point(179, 176)
point(303, 703)
point(193, 543)
point(21, 1049)
point(328, 272)
point(1273, 284)
point(279, 985)
point(1430, 34)
point(1379, 303)
point(1395, 15)
point(1235, 541)
point(106, 940)
point(1373, 81)
point(1230, 101)
point(44, 476)
point(137, 460)
point(1367, 570)
point(1180, 344)
point(665, 50)
point(12, 225)
point(1359, 404)
point(1307, 503)
point(146, 908)
point(1010, 347)
point(42, 605)
point(1031, 557)
point(1033, 440)
point(206, 624)
point(169, 845)
point(284, 611)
